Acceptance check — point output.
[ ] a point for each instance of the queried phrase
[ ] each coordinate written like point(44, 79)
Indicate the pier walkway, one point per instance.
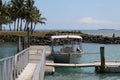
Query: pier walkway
point(36, 65)
point(28, 64)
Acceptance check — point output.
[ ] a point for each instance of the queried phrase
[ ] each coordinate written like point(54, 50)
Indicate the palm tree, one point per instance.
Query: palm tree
point(4, 18)
point(18, 7)
point(19, 11)
point(12, 14)
point(38, 19)
point(33, 16)
point(29, 13)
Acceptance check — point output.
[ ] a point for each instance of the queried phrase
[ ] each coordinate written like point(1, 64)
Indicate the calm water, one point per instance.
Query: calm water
point(91, 54)
point(102, 32)
point(105, 32)
point(7, 49)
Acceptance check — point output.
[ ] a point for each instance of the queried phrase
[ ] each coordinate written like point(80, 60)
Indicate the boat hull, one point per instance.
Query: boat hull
point(66, 58)
point(61, 58)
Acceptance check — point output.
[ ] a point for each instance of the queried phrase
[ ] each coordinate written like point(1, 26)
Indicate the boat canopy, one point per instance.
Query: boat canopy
point(66, 36)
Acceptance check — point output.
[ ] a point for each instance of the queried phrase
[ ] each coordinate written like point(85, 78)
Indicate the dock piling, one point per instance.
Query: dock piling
point(102, 56)
point(28, 35)
point(19, 44)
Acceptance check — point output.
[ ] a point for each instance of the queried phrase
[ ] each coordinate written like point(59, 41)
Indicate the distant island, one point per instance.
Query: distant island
point(107, 29)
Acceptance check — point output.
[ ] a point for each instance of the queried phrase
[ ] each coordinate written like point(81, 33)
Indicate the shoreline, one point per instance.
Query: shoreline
point(43, 38)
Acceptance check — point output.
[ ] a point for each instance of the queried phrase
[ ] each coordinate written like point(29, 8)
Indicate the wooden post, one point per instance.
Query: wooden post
point(28, 35)
point(19, 44)
point(102, 67)
point(23, 43)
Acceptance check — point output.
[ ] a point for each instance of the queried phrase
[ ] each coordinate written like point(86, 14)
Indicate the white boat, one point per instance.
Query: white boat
point(65, 47)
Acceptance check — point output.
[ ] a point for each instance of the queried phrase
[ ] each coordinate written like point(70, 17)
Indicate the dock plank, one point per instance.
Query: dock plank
point(94, 64)
point(27, 73)
point(35, 53)
point(73, 65)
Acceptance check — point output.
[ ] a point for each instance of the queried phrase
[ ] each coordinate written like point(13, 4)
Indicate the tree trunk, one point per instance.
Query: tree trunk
point(25, 25)
point(0, 27)
point(18, 25)
point(9, 26)
point(14, 25)
point(21, 25)
point(33, 28)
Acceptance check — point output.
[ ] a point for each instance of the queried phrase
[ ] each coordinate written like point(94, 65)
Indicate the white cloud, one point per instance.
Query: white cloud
point(90, 20)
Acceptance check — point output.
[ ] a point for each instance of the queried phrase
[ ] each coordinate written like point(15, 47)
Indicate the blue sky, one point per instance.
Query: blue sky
point(80, 14)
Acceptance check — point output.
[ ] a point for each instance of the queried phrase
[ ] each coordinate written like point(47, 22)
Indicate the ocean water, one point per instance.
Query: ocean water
point(91, 54)
point(103, 32)
point(8, 49)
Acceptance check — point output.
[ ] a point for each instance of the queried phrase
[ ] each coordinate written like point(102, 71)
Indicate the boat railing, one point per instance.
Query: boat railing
point(11, 67)
point(40, 69)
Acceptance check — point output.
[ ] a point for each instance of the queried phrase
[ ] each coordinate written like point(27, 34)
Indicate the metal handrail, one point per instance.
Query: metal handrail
point(21, 60)
point(6, 58)
point(7, 66)
point(40, 69)
point(12, 66)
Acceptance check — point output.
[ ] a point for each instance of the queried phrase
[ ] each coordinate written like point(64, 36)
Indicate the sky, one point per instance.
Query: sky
point(80, 14)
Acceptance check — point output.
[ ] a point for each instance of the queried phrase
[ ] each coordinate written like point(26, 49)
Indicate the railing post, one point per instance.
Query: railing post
point(15, 66)
point(12, 70)
point(9, 68)
point(102, 67)
point(4, 71)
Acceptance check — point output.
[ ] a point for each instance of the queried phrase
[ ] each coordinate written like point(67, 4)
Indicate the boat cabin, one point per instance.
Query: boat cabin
point(65, 46)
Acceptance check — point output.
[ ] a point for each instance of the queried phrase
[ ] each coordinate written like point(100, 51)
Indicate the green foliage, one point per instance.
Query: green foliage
point(17, 12)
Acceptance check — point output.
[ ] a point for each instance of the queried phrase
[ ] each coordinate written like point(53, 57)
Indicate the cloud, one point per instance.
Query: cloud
point(90, 20)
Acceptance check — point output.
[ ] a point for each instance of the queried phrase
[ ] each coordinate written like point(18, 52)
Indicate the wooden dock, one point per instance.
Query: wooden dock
point(35, 56)
point(28, 64)
point(32, 63)
point(94, 64)
point(110, 66)
point(73, 65)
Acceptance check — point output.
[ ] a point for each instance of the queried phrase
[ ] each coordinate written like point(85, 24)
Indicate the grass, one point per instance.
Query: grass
point(13, 33)
point(38, 34)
